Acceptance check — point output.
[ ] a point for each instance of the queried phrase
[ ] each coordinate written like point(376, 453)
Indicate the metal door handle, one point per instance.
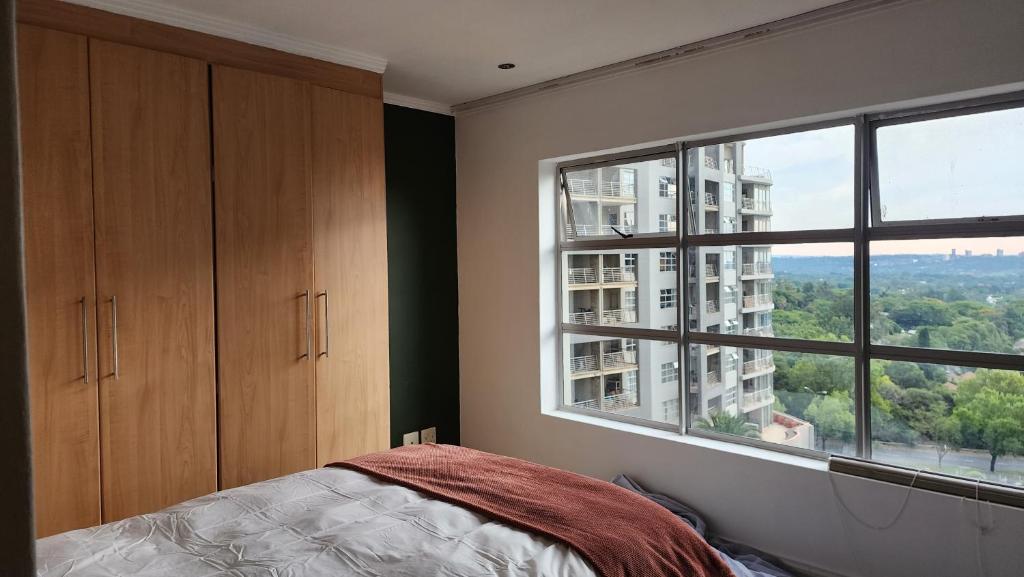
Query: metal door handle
point(309, 322)
point(113, 336)
point(327, 324)
point(85, 339)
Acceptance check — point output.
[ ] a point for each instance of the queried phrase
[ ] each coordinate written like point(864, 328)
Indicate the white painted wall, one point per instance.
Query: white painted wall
point(917, 50)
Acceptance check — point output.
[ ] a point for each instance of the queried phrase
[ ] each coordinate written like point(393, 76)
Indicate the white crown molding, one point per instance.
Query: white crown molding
point(157, 12)
point(417, 103)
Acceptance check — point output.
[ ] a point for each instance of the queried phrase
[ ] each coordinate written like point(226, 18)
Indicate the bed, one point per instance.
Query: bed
point(325, 522)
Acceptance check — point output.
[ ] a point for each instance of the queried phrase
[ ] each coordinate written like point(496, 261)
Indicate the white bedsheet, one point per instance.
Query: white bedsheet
point(324, 522)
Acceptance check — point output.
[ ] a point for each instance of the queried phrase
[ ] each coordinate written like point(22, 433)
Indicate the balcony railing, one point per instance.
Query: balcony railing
point(583, 364)
point(710, 162)
point(668, 162)
point(757, 172)
point(765, 363)
point(581, 187)
point(757, 398)
point(713, 378)
point(618, 189)
point(609, 403)
point(710, 199)
point(582, 276)
point(710, 271)
point(748, 203)
point(583, 318)
point(712, 306)
point(711, 230)
point(729, 298)
point(618, 316)
point(618, 274)
point(761, 331)
point(600, 229)
point(618, 360)
point(752, 268)
point(757, 300)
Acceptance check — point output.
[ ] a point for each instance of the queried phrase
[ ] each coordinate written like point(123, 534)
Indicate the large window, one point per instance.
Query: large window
point(849, 288)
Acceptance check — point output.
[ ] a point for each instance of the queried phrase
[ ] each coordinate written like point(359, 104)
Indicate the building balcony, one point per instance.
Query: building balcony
point(756, 399)
point(583, 318)
point(756, 269)
point(711, 273)
point(757, 173)
point(761, 331)
point(599, 229)
point(713, 378)
point(789, 430)
point(711, 230)
point(581, 188)
point(618, 360)
point(618, 274)
point(614, 190)
point(758, 366)
point(712, 349)
point(710, 162)
point(583, 364)
point(608, 403)
point(710, 201)
point(712, 306)
point(618, 316)
point(751, 206)
point(581, 276)
point(757, 301)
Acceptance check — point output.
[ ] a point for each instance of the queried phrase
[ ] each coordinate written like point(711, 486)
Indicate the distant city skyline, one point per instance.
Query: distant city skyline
point(1011, 246)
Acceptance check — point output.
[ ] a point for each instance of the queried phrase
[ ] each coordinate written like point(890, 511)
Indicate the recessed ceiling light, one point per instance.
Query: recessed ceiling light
point(506, 66)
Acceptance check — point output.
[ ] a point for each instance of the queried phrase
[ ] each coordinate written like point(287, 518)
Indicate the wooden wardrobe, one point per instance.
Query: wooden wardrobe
point(205, 263)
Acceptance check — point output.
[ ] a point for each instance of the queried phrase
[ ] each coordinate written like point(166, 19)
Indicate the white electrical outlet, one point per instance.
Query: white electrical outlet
point(428, 435)
point(412, 438)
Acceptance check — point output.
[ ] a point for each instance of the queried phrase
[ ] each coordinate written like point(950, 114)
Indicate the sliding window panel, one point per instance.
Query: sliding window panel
point(963, 294)
point(950, 168)
point(789, 182)
point(637, 379)
point(154, 271)
point(962, 421)
point(265, 297)
point(621, 200)
point(53, 78)
point(635, 288)
point(792, 400)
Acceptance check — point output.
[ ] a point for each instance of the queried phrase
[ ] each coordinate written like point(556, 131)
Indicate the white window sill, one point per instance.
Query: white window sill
point(713, 444)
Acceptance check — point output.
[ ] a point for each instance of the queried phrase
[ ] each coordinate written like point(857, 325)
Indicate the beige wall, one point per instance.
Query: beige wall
point(915, 51)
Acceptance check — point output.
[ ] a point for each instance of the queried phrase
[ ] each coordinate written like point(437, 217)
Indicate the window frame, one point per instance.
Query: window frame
point(867, 228)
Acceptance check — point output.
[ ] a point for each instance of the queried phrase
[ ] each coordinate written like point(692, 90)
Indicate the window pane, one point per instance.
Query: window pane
point(630, 198)
point(633, 377)
point(795, 181)
point(958, 167)
point(795, 291)
point(631, 288)
point(955, 420)
point(958, 294)
point(798, 400)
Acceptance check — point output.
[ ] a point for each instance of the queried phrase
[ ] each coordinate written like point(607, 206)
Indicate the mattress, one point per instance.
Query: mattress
point(323, 522)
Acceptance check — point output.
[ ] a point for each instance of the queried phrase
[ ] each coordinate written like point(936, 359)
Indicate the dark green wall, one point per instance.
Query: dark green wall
point(422, 272)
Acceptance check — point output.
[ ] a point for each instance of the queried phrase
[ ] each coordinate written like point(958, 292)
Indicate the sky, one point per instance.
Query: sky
point(945, 168)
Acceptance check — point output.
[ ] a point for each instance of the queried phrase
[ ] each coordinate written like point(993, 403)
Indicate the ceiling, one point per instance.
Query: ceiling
point(447, 51)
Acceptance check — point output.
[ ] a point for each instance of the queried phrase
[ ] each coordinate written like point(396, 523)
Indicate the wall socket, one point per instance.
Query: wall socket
point(428, 435)
point(412, 438)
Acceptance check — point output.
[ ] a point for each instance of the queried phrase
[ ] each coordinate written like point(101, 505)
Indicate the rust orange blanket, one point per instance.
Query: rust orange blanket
point(619, 532)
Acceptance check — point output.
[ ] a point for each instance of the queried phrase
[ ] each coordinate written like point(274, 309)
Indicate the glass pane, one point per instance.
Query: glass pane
point(634, 288)
point(798, 400)
point(632, 198)
point(964, 294)
point(955, 420)
point(774, 183)
point(958, 167)
point(633, 377)
point(800, 291)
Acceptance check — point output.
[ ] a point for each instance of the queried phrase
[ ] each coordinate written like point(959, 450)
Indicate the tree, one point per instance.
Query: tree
point(832, 417)
point(907, 375)
point(990, 406)
point(915, 312)
point(730, 425)
point(944, 431)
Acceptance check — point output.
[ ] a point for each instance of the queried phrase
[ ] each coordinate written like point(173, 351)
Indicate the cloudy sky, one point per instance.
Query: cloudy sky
point(954, 167)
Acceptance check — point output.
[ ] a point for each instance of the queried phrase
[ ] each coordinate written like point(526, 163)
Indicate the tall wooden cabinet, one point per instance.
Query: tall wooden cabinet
point(206, 263)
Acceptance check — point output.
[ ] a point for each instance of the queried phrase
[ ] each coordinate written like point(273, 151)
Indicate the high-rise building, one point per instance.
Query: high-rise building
point(999, 252)
point(729, 290)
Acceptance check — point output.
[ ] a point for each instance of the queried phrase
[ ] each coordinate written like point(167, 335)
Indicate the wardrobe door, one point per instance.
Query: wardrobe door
point(154, 267)
point(350, 257)
point(264, 275)
point(53, 77)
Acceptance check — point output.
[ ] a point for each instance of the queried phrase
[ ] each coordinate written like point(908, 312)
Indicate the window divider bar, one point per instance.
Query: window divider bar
point(682, 286)
point(1001, 361)
point(613, 243)
point(774, 343)
point(621, 332)
point(861, 297)
point(773, 237)
point(612, 159)
point(975, 228)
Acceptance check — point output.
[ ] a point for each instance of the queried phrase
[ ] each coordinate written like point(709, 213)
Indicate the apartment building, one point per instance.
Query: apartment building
point(729, 290)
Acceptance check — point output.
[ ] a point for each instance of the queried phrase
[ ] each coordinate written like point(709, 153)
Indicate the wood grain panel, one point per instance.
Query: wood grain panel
point(264, 267)
point(350, 256)
point(53, 76)
point(154, 252)
point(61, 15)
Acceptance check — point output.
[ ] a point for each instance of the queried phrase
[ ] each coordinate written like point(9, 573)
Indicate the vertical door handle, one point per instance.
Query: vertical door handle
point(309, 322)
point(113, 336)
point(85, 339)
point(327, 324)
